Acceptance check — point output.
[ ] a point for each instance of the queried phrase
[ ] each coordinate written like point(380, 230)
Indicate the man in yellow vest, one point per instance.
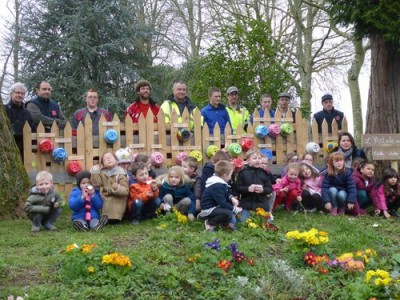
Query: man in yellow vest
point(238, 115)
point(178, 101)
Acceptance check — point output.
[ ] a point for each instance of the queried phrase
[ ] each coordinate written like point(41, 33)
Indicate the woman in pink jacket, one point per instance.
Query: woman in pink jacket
point(386, 194)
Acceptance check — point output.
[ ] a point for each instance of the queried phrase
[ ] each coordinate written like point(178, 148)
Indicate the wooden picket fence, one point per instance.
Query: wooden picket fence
point(147, 137)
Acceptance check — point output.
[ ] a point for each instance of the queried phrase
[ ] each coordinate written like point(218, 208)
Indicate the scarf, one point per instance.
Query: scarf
point(88, 208)
point(348, 159)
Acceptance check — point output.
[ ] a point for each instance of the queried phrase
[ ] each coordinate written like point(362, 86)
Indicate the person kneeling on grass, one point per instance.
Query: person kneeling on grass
point(85, 203)
point(218, 205)
point(43, 203)
point(143, 198)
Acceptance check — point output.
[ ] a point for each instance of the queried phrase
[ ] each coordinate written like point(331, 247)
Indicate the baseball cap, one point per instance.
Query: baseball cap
point(232, 89)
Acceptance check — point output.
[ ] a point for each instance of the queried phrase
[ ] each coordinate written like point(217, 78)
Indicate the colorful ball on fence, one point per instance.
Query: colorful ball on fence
point(237, 163)
point(234, 149)
point(312, 148)
point(268, 153)
point(286, 129)
point(197, 155)
point(211, 150)
point(46, 146)
point(247, 144)
point(156, 159)
point(110, 136)
point(330, 146)
point(261, 131)
point(183, 135)
point(59, 155)
point(74, 167)
point(181, 156)
point(274, 130)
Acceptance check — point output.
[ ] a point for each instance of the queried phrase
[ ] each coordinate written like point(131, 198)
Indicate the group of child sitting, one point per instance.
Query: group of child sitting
point(117, 188)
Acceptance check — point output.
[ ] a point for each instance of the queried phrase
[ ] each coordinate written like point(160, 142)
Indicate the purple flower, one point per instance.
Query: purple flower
point(233, 247)
point(214, 245)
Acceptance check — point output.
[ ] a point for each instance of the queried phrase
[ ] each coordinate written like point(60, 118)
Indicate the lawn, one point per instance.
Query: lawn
point(171, 260)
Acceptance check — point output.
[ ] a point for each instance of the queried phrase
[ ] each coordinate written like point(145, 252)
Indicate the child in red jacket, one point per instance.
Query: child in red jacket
point(289, 189)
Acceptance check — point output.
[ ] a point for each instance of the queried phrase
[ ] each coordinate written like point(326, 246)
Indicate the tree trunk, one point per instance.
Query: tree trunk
point(14, 182)
point(383, 102)
point(353, 75)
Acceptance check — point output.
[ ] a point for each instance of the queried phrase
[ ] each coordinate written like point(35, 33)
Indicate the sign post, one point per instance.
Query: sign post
point(384, 147)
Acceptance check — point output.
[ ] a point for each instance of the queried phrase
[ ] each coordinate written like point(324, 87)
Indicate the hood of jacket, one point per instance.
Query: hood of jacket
point(215, 179)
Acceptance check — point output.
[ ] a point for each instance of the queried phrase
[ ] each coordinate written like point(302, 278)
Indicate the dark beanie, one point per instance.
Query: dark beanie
point(81, 175)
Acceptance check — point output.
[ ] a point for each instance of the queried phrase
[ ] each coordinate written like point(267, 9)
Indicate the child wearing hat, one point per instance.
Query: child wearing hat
point(85, 203)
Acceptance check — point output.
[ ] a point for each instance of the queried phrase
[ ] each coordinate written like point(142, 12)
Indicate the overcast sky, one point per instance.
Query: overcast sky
point(341, 94)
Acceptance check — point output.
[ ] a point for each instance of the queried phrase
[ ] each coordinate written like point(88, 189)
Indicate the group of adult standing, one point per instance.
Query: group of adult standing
point(42, 109)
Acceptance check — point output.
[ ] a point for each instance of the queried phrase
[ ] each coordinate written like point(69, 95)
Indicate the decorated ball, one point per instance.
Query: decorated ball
point(156, 158)
point(181, 156)
point(237, 163)
point(74, 167)
point(59, 155)
point(268, 153)
point(110, 136)
point(274, 130)
point(261, 131)
point(286, 129)
point(247, 144)
point(183, 135)
point(330, 146)
point(234, 149)
point(46, 146)
point(196, 154)
point(211, 150)
point(312, 148)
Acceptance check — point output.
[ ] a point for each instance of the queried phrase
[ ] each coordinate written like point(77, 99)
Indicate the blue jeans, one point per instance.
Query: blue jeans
point(144, 210)
point(338, 198)
point(244, 215)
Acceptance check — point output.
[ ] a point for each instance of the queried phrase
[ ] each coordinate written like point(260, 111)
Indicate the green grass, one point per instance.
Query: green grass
point(32, 266)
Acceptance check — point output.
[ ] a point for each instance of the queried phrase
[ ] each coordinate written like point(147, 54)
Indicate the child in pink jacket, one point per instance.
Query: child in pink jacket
point(386, 194)
point(289, 188)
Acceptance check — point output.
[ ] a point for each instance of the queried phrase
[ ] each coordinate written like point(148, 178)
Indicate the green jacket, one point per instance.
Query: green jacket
point(38, 202)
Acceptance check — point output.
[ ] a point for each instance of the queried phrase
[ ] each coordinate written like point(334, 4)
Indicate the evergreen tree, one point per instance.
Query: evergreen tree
point(77, 44)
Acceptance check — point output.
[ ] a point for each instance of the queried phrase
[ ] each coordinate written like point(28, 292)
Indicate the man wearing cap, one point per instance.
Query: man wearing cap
point(329, 113)
point(92, 99)
point(283, 104)
point(143, 102)
point(238, 115)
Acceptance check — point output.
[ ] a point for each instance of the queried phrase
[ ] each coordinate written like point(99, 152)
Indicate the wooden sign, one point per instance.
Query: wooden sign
point(386, 153)
point(381, 140)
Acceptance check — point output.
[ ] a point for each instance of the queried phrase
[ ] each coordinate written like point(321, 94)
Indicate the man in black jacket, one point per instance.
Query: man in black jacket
point(328, 113)
point(17, 114)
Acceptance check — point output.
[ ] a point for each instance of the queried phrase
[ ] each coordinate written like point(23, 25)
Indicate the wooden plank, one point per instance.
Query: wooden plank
point(386, 153)
point(380, 140)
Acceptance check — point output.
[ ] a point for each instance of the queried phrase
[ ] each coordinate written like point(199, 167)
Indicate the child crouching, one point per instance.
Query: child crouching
point(43, 203)
point(218, 205)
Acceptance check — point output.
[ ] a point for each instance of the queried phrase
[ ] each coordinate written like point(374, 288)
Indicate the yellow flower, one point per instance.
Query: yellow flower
point(181, 218)
point(90, 269)
point(252, 225)
point(88, 248)
point(261, 212)
point(71, 247)
point(117, 259)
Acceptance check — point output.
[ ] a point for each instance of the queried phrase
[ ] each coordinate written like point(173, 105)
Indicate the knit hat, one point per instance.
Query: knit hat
point(123, 155)
point(79, 177)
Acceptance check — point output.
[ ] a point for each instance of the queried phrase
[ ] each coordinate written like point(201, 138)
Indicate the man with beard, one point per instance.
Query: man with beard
point(92, 99)
point(143, 102)
point(45, 110)
point(17, 114)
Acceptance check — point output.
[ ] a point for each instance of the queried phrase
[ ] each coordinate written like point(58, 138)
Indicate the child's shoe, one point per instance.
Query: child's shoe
point(208, 226)
point(394, 213)
point(340, 211)
point(135, 222)
point(80, 226)
point(50, 226)
point(334, 211)
point(35, 228)
point(102, 222)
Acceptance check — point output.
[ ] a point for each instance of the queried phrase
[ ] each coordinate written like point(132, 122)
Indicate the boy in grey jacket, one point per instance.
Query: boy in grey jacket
point(43, 203)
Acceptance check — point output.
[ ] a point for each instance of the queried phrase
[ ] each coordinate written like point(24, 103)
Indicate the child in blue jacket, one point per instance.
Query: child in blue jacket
point(85, 203)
